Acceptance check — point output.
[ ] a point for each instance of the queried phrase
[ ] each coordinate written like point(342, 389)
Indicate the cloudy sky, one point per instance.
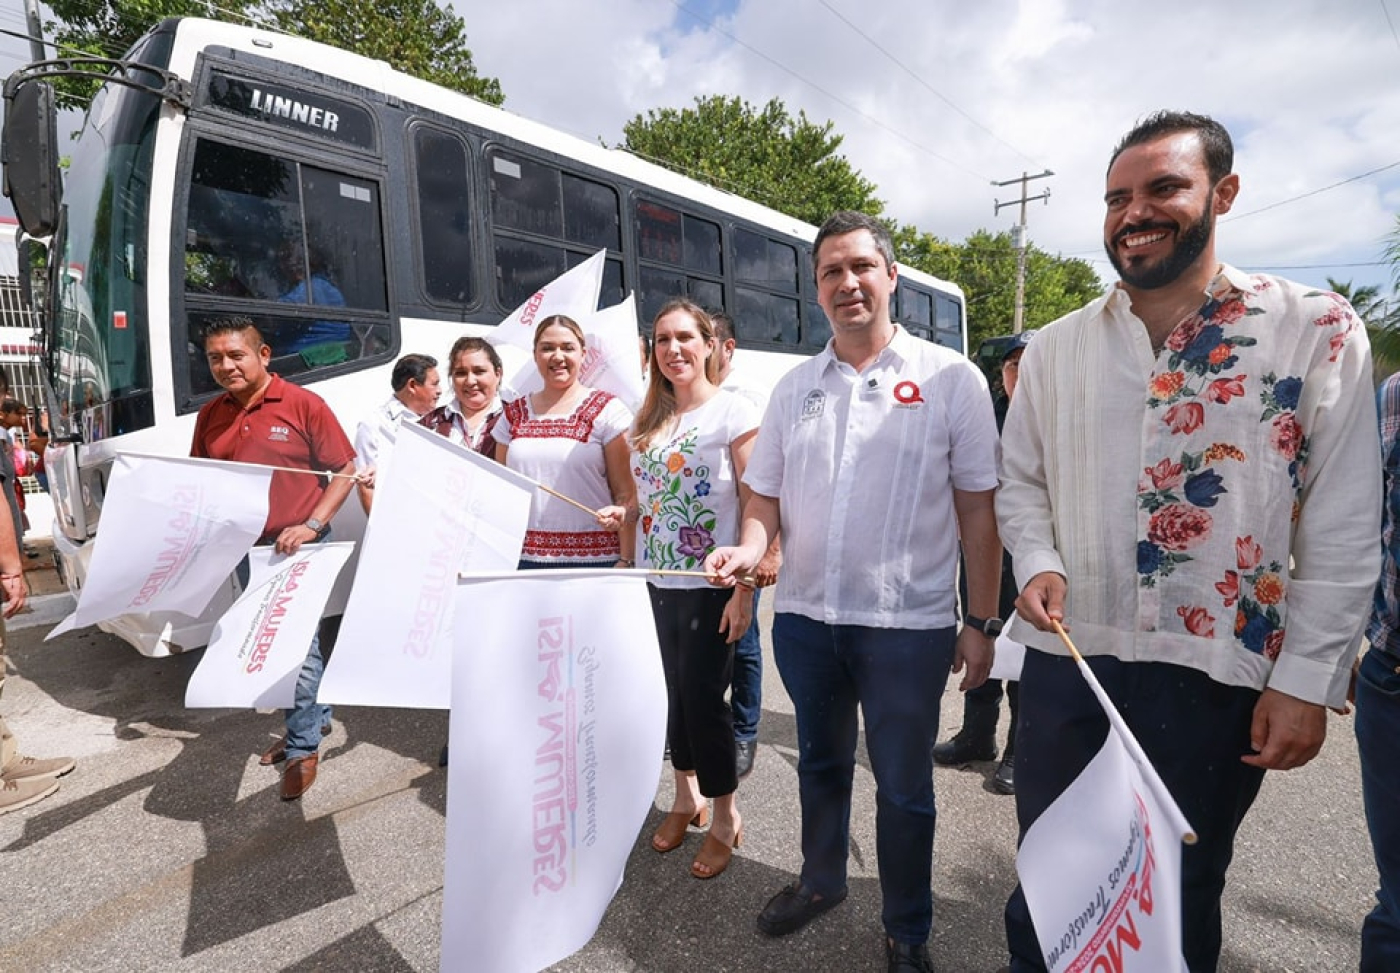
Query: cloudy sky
point(937, 99)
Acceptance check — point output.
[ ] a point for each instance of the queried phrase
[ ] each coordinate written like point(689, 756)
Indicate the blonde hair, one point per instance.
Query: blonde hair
point(659, 406)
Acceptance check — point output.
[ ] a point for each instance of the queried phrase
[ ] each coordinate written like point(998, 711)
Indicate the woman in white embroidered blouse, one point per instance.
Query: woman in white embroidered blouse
point(690, 444)
point(572, 439)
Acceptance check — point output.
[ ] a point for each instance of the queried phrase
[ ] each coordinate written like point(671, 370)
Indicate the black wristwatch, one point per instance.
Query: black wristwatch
point(317, 527)
point(990, 627)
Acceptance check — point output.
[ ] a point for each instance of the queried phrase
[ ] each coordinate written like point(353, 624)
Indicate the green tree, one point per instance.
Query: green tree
point(984, 265)
point(415, 36)
point(789, 164)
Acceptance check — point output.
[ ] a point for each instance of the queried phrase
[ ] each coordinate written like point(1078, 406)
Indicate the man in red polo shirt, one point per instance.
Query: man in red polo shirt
point(263, 419)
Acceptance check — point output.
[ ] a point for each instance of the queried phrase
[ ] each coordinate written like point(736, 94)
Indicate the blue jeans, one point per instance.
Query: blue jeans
point(896, 678)
point(746, 690)
point(306, 717)
point(1377, 732)
point(1194, 731)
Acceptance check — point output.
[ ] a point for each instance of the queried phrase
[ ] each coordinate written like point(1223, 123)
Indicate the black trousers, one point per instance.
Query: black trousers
point(1194, 731)
point(699, 665)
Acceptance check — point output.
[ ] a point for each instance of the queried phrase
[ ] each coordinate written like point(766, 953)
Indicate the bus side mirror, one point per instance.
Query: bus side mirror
point(29, 152)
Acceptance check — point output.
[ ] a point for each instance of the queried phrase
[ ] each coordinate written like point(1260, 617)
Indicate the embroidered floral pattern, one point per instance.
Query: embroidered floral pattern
point(679, 529)
point(1255, 591)
point(1177, 495)
point(1280, 397)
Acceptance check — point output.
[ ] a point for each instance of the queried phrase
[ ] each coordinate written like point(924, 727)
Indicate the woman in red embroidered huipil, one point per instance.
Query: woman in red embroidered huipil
point(572, 439)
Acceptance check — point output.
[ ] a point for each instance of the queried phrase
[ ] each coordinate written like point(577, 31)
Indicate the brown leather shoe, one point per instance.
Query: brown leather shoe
point(299, 776)
point(277, 751)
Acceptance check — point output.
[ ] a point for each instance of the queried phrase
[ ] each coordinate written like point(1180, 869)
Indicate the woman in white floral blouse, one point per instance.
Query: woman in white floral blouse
point(689, 446)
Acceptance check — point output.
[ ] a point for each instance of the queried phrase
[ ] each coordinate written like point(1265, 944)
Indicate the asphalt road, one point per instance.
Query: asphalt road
point(168, 848)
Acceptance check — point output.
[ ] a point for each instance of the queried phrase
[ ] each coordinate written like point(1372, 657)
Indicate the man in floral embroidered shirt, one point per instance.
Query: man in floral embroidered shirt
point(1190, 481)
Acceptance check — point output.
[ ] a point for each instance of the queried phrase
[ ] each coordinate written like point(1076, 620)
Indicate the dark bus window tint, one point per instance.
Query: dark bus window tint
point(949, 317)
point(591, 214)
point(244, 223)
point(611, 292)
point(760, 316)
point(444, 217)
point(290, 354)
point(759, 260)
point(659, 233)
point(818, 329)
point(706, 293)
point(525, 196)
point(915, 310)
point(702, 246)
point(344, 251)
point(523, 268)
point(657, 287)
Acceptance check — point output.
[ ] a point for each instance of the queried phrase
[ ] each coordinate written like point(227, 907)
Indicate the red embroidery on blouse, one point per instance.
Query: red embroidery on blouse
point(594, 545)
point(578, 425)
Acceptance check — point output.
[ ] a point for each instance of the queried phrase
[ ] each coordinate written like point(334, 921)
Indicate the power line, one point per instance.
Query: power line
point(1385, 10)
point(843, 103)
point(1312, 192)
point(930, 88)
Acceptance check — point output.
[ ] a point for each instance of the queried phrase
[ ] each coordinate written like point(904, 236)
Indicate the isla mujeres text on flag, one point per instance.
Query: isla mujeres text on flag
point(439, 510)
point(173, 529)
point(260, 643)
point(1101, 867)
point(560, 671)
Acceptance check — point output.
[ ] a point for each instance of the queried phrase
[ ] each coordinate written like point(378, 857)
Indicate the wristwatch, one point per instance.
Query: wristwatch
point(990, 627)
point(317, 527)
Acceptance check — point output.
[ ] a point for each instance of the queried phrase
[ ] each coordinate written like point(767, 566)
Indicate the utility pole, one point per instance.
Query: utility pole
point(1018, 237)
point(36, 31)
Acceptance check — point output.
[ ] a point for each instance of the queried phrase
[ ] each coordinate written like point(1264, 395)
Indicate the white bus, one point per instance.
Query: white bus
point(222, 167)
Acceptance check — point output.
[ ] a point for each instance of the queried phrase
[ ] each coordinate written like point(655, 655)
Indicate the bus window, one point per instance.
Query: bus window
point(444, 217)
point(525, 196)
point(760, 316)
point(818, 329)
point(264, 228)
point(915, 310)
point(591, 214)
point(669, 236)
point(660, 284)
point(949, 321)
point(759, 260)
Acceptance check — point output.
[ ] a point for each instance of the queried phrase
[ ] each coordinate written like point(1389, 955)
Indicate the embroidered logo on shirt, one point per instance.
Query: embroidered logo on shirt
point(279, 434)
point(814, 405)
point(907, 393)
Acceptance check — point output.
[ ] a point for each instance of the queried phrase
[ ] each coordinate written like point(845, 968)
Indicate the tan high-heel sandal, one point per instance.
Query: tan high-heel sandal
point(715, 855)
point(671, 834)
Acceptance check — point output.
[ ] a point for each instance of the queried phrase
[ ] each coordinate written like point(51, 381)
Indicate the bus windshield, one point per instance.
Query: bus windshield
point(101, 331)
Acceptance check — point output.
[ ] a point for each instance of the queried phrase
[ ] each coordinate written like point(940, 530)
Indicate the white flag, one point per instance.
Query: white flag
point(1101, 868)
point(575, 293)
point(559, 702)
point(439, 510)
point(258, 647)
point(611, 359)
point(173, 529)
point(1008, 656)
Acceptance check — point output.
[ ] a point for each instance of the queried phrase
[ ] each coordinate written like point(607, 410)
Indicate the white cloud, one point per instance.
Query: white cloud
point(1306, 88)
